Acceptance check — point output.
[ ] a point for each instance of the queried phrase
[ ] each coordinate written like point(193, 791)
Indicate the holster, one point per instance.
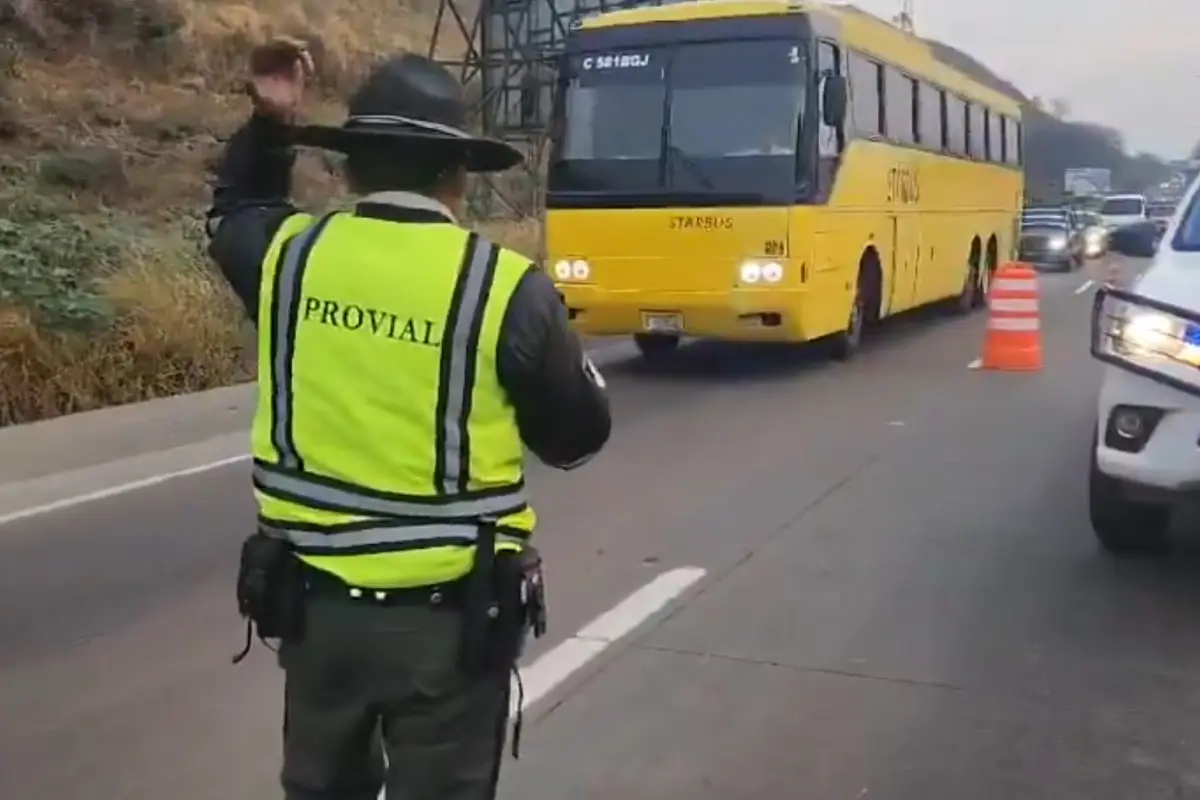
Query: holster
point(505, 601)
point(271, 589)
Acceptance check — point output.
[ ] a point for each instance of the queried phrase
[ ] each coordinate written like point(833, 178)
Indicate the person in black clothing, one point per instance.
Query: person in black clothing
point(366, 675)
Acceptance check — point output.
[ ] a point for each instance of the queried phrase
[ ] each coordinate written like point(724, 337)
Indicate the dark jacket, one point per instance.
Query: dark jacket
point(561, 409)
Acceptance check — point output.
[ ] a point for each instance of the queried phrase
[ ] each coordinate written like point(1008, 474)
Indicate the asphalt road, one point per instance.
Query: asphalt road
point(902, 600)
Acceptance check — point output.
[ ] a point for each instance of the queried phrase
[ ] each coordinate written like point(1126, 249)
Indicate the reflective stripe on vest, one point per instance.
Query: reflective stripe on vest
point(382, 537)
point(289, 481)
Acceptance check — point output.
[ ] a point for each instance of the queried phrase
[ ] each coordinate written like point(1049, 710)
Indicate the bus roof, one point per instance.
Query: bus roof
point(856, 28)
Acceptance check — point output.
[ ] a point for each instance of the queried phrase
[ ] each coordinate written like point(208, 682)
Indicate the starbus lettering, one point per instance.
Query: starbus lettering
point(702, 223)
point(903, 185)
point(373, 321)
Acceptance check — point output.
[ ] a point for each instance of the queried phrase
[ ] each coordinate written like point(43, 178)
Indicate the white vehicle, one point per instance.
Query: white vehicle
point(1123, 209)
point(1146, 454)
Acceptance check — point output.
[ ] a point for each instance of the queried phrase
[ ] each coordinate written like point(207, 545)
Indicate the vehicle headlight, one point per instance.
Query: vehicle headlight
point(761, 272)
point(1148, 333)
point(576, 270)
point(1057, 243)
point(772, 272)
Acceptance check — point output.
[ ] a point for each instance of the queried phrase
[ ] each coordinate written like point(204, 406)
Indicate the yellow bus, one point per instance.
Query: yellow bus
point(765, 170)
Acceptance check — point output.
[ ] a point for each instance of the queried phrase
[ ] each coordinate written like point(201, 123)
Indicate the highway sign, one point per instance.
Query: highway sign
point(1082, 181)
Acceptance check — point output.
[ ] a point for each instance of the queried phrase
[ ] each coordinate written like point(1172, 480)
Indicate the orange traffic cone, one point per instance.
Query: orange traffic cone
point(1014, 335)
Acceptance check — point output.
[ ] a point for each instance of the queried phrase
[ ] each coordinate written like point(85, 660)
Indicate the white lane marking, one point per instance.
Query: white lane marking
point(976, 364)
point(555, 666)
point(1086, 285)
point(600, 353)
point(118, 489)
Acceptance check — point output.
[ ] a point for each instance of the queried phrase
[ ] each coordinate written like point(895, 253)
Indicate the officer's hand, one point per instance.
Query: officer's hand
point(279, 71)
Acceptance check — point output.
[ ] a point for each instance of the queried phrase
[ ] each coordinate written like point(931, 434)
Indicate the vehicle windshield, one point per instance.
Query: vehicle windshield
point(1161, 211)
point(1044, 223)
point(720, 117)
point(1123, 207)
point(1044, 219)
point(1187, 235)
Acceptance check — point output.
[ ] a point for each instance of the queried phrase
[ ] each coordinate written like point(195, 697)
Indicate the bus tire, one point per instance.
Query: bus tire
point(655, 347)
point(844, 345)
point(970, 297)
point(990, 264)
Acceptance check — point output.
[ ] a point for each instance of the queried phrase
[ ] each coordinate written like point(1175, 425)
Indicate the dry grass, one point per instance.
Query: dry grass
point(178, 329)
point(100, 111)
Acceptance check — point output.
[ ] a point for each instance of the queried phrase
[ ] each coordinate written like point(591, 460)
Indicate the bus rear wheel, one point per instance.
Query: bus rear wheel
point(844, 345)
point(973, 291)
point(656, 346)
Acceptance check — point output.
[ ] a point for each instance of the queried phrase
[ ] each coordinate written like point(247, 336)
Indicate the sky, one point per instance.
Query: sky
point(1134, 66)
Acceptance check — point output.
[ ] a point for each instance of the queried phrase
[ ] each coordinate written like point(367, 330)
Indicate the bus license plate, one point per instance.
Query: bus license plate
point(663, 323)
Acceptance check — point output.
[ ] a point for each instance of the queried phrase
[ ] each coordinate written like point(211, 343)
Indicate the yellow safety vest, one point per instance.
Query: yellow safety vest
point(382, 437)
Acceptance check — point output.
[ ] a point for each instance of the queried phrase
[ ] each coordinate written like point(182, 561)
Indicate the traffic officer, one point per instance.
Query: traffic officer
point(403, 363)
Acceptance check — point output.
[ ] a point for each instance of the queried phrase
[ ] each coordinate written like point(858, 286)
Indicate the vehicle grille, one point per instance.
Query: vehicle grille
point(1036, 247)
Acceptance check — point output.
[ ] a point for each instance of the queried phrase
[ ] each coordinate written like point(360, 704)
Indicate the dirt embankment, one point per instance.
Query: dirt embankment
point(111, 118)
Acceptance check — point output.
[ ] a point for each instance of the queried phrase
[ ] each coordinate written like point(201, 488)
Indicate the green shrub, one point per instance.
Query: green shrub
point(51, 264)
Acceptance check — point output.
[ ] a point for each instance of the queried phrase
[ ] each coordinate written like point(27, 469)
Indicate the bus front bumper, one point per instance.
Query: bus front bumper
point(750, 315)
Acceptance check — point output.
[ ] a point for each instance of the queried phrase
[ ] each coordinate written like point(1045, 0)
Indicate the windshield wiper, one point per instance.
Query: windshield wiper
point(693, 167)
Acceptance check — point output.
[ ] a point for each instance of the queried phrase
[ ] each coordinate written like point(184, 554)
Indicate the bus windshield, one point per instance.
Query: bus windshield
point(693, 118)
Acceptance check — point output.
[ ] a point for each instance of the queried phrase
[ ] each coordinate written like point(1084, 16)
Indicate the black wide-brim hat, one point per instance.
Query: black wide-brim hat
point(411, 102)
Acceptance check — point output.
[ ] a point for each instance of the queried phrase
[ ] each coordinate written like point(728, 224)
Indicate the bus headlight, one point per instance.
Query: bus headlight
point(761, 272)
point(576, 270)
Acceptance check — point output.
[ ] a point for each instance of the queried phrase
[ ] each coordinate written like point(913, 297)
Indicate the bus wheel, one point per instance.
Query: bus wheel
point(972, 292)
point(846, 344)
point(655, 346)
point(988, 273)
point(972, 288)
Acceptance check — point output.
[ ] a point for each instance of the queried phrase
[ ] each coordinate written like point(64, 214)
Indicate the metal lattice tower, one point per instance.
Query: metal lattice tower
point(906, 19)
point(506, 53)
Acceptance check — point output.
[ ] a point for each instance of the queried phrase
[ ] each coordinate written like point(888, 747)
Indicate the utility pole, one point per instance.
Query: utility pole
point(905, 20)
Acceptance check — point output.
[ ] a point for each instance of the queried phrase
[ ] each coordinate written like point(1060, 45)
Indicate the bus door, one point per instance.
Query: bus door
point(906, 239)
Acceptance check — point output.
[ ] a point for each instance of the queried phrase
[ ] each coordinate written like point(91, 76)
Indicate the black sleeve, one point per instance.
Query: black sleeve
point(250, 202)
point(561, 405)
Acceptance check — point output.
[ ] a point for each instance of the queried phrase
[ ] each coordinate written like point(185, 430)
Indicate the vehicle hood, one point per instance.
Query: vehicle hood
point(1173, 278)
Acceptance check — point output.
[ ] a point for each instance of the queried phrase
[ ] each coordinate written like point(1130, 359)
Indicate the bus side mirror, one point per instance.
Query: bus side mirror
point(833, 100)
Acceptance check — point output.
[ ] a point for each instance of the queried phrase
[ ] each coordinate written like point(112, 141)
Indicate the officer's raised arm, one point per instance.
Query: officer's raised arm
point(251, 198)
point(559, 396)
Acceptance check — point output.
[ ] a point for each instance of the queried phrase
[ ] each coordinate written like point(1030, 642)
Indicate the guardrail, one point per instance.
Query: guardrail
point(1148, 337)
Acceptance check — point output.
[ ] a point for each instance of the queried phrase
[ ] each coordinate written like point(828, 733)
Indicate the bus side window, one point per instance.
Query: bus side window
point(864, 96)
point(831, 140)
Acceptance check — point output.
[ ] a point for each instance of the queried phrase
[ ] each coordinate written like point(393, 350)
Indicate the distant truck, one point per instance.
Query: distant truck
point(1119, 210)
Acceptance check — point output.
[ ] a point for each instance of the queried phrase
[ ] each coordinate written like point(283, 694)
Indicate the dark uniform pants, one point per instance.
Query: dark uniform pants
point(370, 679)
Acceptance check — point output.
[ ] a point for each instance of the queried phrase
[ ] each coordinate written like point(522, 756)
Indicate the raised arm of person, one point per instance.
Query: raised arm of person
point(251, 198)
point(559, 395)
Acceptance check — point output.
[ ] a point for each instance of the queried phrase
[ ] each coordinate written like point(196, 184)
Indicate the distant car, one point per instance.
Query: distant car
point(1146, 453)
point(1160, 214)
point(1095, 235)
point(1051, 239)
point(1123, 209)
